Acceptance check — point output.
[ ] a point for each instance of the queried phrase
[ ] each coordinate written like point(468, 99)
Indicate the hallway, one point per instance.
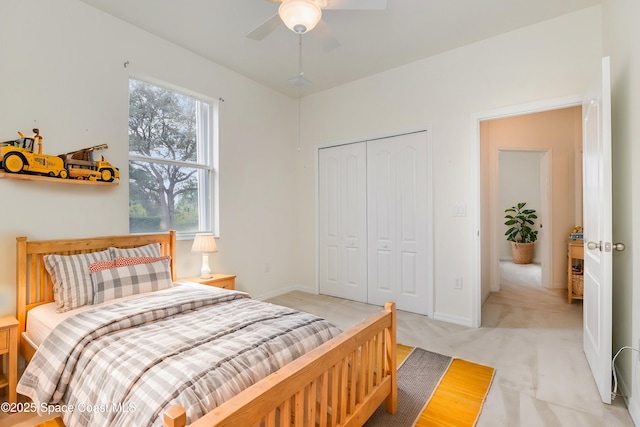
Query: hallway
point(521, 274)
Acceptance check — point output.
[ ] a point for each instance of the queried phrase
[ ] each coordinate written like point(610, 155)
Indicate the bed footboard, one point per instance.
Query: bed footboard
point(340, 383)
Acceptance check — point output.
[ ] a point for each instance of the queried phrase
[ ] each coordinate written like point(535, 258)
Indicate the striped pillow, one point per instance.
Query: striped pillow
point(152, 249)
point(128, 280)
point(72, 286)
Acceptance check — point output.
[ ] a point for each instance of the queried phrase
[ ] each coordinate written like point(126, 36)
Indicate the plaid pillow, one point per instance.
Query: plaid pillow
point(130, 280)
point(152, 249)
point(71, 281)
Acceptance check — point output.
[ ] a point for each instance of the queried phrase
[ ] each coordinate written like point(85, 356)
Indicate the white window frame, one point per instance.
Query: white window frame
point(207, 149)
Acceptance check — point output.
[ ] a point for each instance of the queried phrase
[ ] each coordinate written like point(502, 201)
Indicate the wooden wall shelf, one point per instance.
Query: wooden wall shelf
point(27, 177)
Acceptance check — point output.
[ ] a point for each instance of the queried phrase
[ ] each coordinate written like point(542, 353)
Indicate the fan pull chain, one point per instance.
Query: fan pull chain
point(300, 74)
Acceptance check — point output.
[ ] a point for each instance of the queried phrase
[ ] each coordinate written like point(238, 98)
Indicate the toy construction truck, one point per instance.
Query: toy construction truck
point(20, 156)
point(81, 165)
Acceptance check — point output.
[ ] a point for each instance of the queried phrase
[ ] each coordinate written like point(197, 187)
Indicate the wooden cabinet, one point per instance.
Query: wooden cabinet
point(225, 281)
point(9, 355)
point(575, 270)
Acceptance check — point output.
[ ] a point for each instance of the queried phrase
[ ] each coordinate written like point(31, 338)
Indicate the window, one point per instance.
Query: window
point(172, 161)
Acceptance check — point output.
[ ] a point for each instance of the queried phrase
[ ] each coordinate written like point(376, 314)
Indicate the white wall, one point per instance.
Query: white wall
point(620, 38)
point(62, 67)
point(62, 70)
point(556, 58)
point(519, 181)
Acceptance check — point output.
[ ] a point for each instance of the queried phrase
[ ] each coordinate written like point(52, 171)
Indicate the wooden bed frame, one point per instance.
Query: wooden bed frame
point(34, 285)
point(340, 383)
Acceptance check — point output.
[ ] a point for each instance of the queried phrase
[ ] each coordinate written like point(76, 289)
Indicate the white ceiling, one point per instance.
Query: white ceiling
point(370, 41)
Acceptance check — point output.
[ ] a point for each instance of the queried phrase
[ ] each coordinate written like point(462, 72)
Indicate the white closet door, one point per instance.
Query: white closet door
point(342, 222)
point(399, 218)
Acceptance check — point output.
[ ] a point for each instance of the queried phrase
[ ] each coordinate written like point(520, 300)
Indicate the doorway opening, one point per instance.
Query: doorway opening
point(523, 175)
point(552, 131)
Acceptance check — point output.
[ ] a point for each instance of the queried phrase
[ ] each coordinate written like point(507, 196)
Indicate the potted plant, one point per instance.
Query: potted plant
point(520, 233)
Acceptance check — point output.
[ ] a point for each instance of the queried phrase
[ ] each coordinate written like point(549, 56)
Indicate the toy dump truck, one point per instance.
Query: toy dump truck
point(81, 165)
point(20, 156)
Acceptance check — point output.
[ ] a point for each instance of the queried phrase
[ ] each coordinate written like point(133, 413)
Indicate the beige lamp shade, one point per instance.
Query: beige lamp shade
point(204, 243)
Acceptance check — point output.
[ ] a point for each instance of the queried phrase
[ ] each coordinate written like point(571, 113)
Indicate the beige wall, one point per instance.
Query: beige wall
point(558, 131)
point(62, 69)
point(68, 76)
point(621, 33)
point(553, 59)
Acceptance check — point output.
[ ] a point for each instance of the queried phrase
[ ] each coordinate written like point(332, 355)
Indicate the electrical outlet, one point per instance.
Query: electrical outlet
point(458, 283)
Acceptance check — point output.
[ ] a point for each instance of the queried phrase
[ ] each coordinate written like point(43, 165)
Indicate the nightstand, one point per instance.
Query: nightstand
point(225, 281)
point(575, 270)
point(9, 354)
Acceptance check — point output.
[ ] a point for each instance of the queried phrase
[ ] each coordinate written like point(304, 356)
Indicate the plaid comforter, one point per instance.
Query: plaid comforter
point(125, 364)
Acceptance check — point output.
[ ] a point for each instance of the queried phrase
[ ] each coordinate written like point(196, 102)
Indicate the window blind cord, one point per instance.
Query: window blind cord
point(614, 393)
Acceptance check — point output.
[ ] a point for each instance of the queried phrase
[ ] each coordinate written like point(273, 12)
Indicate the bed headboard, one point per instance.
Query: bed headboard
point(34, 285)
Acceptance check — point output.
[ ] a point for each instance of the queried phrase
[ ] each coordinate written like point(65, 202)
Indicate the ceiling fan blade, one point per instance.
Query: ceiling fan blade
point(356, 4)
point(324, 35)
point(264, 29)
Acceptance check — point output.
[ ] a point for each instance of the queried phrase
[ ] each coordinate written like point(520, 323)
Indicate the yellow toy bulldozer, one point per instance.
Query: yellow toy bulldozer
point(20, 156)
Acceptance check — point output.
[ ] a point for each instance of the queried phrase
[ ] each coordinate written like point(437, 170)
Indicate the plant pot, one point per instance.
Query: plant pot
point(522, 253)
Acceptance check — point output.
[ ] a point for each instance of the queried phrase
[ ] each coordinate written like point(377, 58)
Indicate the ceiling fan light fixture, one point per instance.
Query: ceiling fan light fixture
point(300, 16)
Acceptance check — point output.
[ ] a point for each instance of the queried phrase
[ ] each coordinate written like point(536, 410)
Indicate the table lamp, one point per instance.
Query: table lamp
point(206, 244)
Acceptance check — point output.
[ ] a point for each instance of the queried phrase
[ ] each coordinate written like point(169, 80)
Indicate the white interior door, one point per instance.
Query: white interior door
point(342, 221)
point(598, 234)
point(399, 218)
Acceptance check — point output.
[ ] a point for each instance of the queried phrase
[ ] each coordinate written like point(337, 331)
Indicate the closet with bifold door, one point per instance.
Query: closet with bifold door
point(375, 222)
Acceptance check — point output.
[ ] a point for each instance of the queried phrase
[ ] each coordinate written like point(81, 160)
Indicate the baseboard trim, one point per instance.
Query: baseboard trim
point(464, 321)
point(631, 404)
point(284, 291)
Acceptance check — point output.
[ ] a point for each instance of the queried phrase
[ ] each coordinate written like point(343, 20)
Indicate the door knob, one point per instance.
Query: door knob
point(594, 245)
point(619, 247)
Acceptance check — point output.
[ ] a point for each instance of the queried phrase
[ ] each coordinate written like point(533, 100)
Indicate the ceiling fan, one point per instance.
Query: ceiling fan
point(302, 16)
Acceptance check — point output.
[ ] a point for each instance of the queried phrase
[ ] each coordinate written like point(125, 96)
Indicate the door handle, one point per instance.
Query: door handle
point(619, 247)
point(594, 245)
point(608, 246)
